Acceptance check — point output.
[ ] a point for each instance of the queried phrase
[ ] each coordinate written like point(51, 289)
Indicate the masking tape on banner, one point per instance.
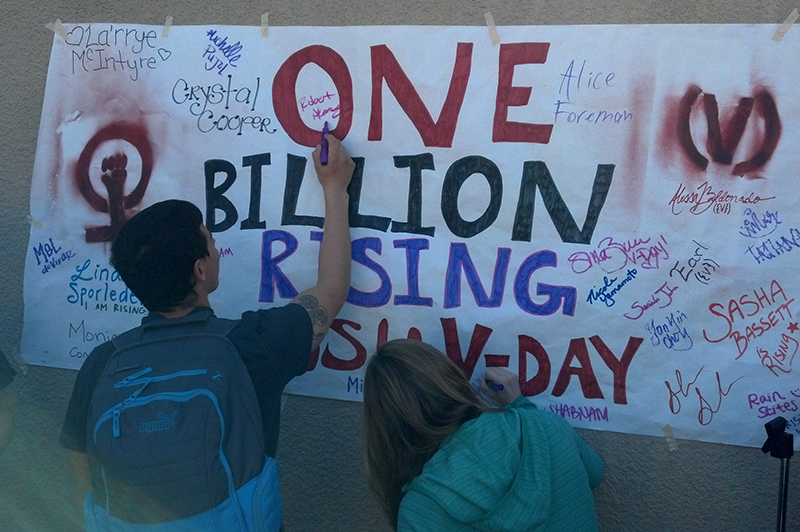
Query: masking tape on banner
point(72, 117)
point(265, 25)
point(672, 443)
point(34, 222)
point(492, 29)
point(781, 31)
point(167, 26)
point(58, 28)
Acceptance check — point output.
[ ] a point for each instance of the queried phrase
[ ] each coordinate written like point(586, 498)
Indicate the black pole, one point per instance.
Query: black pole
point(783, 494)
point(780, 444)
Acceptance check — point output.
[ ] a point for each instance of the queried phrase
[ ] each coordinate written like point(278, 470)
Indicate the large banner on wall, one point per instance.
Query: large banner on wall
point(611, 212)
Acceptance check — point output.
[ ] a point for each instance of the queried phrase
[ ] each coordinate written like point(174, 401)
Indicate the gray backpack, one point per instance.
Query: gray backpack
point(175, 434)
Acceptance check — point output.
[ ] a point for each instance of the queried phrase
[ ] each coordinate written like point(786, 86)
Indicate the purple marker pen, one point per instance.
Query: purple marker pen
point(323, 156)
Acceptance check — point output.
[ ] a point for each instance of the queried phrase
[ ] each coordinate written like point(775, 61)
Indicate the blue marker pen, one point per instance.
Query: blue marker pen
point(494, 385)
point(485, 398)
point(323, 156)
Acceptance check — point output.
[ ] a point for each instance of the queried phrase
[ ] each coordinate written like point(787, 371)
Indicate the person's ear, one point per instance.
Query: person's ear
point(199, 271)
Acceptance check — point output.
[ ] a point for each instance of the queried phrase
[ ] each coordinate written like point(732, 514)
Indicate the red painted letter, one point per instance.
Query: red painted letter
point(480, 335)
point(591, 389)
point(329, 360)
point(541, 380)
point(618, 367)
point(437, 134)
point(383, 333)
point(284, 97)
point(511, 55)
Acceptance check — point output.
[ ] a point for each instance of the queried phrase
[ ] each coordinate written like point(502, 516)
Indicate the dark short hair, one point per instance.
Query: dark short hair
point(155, 252)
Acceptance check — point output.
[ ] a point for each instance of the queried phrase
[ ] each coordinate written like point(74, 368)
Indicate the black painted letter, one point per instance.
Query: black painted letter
point(255, 162)
point(417, 163)
point(535, 174)
point(215, 198)
point(295, 168)
point(457, 174)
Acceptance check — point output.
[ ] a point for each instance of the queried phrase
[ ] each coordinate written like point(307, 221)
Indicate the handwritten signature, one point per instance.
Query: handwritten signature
point(769, 249)
point(613, 256)
point(665, 290)
point(783, 358)
point(670, 333)
point(705, 413)
point(219, 53)
point(705, 266)
point(314, 102)
point(604, 294)
point(319, 114)
point(755, 226)
point(704, 197)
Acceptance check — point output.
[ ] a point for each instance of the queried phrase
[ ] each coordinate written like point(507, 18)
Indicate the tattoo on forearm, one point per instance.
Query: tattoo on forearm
point(318, 313)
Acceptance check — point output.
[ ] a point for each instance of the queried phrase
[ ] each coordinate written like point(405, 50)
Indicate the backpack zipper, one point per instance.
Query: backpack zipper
point(122, 406)
point(134, 381)
point(124, 382)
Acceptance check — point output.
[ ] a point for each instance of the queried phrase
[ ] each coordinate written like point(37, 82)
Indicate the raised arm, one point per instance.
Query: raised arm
point(324, 300)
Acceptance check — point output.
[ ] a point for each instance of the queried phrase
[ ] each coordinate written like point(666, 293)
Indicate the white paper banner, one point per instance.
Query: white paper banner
point(609, 211)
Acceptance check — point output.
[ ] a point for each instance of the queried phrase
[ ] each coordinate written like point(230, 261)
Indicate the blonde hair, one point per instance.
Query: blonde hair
point(414, 398)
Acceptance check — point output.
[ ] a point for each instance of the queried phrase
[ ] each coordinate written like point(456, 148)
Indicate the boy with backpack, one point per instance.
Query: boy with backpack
point(175, 423)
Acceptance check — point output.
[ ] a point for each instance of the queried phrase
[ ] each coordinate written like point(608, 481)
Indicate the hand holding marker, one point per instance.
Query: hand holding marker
point(494, 385)
point(501, 385)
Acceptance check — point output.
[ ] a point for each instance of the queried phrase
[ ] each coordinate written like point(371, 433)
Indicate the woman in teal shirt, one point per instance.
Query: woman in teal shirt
point(438, 459)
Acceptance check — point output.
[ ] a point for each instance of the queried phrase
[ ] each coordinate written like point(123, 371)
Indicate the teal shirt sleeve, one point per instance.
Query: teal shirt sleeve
point(591, 461)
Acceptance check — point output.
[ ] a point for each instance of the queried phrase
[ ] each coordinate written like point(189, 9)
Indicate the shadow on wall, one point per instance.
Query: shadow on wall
point(36, 486)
